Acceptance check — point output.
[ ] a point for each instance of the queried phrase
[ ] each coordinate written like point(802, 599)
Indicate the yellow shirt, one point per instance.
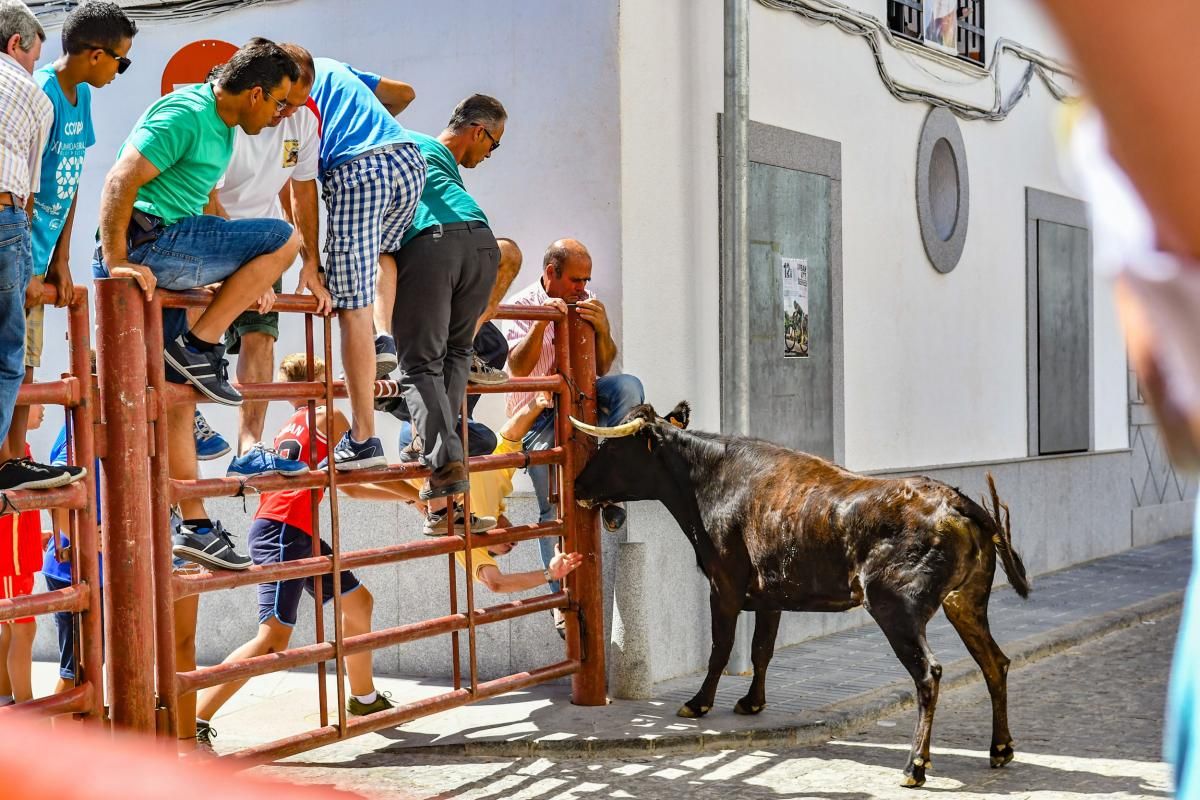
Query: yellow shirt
point(480, 558)
point(489, 489)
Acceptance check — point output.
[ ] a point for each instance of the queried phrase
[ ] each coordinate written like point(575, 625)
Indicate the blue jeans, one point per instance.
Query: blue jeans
point(616, 395)
point(16, 268)
point(197, 251)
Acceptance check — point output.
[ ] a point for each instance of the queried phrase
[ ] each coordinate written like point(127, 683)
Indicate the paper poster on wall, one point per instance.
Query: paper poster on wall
point(941, 25)
point(795, 308)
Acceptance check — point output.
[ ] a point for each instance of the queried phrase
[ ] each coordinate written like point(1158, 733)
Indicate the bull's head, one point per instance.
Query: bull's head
point(629, 463)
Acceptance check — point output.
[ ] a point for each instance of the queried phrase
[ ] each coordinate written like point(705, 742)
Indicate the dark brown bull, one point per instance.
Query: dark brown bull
point(778, 530)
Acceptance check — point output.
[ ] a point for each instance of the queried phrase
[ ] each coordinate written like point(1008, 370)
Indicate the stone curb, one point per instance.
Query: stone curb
point(818, 725)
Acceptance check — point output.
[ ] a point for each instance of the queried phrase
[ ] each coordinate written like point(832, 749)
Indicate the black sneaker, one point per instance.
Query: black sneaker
point(613, 517)
point(21, 473)
point(386, 358)
point(205, 733)
point(208, 372)
point(209, 547)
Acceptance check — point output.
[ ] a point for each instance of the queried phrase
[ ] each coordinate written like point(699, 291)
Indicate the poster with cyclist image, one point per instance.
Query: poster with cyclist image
point(795, 308)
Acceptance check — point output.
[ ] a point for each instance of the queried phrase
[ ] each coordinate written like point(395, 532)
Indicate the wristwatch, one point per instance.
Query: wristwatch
point(546, 574)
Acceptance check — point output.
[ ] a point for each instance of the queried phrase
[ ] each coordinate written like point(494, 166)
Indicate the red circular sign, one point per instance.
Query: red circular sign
point(192, 63)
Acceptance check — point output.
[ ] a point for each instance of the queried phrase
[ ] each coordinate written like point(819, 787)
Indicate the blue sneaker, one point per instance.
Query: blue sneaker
point(263, 460)
point(350, 455)
point(386, 359)
point(209, 443)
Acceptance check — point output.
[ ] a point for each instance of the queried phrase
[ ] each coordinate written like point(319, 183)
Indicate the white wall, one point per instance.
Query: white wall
point(935, 365)
point(553, 65)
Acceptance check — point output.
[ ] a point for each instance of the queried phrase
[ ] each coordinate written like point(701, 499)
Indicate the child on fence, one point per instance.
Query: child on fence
point(96, 38)
point(283, 531)
point(20, 559)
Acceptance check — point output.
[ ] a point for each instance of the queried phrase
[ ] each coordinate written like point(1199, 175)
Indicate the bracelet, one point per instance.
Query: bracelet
point(546, 574)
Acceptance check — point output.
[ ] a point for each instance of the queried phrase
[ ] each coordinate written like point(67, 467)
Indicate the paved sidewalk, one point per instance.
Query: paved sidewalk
point(814, 689)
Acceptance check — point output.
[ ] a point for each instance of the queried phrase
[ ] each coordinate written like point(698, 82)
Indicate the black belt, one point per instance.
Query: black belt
point(438, 228)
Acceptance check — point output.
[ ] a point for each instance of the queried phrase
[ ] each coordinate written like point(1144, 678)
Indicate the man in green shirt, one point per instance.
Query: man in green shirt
point(152, 229)
point(444, 274)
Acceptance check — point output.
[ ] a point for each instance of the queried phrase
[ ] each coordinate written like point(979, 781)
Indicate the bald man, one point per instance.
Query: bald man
point(566, 272)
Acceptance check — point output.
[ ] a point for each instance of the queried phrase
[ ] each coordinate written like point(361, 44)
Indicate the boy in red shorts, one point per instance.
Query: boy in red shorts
point(20, 559)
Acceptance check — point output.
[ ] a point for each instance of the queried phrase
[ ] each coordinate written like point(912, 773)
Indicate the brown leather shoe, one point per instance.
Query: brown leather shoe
point(447, 480)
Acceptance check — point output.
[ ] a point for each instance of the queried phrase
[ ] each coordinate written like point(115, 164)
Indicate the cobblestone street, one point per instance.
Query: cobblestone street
point(1087, 723)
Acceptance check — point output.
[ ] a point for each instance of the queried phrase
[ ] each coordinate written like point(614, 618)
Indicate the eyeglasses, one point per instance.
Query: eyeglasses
point(494, 140)
point(280, 105)
point(122, 62)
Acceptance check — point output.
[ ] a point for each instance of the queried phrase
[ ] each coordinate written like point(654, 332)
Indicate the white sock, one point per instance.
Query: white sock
point(6, 700)
point(367, 699)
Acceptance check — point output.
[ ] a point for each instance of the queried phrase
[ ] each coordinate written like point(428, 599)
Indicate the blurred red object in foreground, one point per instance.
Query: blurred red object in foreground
point(72, 762)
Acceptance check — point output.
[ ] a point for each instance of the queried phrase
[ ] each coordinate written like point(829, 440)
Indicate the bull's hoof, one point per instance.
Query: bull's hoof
point(914, 776)
point(1001, 754)
point(744, 707)
point(688, 712)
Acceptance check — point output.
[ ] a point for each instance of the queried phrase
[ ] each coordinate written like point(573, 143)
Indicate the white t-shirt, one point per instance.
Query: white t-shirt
point(262, 164)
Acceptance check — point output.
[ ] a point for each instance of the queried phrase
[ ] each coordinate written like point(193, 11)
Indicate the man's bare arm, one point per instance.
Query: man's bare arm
point(395, 95)
point(524, 355)
point(131, 172)
point(306, 220)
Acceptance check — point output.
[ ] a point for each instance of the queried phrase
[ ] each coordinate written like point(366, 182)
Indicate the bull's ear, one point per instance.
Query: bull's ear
point(680, 415)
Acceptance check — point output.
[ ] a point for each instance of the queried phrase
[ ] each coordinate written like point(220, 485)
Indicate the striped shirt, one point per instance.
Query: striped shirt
point(26, 116)
point(517, 329)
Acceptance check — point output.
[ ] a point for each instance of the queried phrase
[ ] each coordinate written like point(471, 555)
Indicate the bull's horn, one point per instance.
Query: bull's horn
point(627, 429)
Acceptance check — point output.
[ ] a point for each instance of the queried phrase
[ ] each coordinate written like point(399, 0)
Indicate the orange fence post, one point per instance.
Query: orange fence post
point(89, 656)
point(120, 348)
point(589, 685)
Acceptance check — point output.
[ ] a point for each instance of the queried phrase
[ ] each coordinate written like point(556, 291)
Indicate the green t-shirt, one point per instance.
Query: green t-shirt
point(184, 138)
point(445, 199)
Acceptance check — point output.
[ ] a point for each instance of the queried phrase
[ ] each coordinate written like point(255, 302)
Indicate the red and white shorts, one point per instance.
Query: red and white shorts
point(14, 586)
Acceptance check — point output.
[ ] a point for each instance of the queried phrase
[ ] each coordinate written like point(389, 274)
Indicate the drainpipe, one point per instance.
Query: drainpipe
point(735, 253)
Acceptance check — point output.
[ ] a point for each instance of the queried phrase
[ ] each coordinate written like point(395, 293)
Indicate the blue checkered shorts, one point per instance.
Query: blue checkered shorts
point(371, 201)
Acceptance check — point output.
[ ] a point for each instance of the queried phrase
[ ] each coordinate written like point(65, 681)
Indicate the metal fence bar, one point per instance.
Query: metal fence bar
point(81, 699)
point(399, 715)
point(335, 532)
point(160, 536)
point(317, 479)
point(356, 559)
point(74, 598)
point(121, 324)
point(292, 658)
point(588, 686)
point(85, 547)
point(314, 505)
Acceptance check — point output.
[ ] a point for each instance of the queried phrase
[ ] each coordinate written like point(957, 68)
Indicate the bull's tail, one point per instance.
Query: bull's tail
point(1014, 568)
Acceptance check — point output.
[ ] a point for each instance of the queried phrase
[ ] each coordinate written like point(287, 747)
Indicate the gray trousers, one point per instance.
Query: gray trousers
point(442, 286)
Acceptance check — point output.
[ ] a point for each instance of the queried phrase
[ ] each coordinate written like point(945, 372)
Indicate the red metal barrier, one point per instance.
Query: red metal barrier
point(138, 491)
point(75, 392)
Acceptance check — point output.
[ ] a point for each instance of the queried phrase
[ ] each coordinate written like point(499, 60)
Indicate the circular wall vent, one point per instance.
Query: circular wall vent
point(943, 189)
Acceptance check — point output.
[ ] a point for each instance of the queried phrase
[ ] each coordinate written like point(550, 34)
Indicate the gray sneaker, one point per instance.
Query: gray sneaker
point(485, 374)
point(208, 372)
point(436, 523)
point(209, 547)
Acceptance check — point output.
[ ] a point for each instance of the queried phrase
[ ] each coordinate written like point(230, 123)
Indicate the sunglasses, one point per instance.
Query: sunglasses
point(494, 140)
point(122, 62)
